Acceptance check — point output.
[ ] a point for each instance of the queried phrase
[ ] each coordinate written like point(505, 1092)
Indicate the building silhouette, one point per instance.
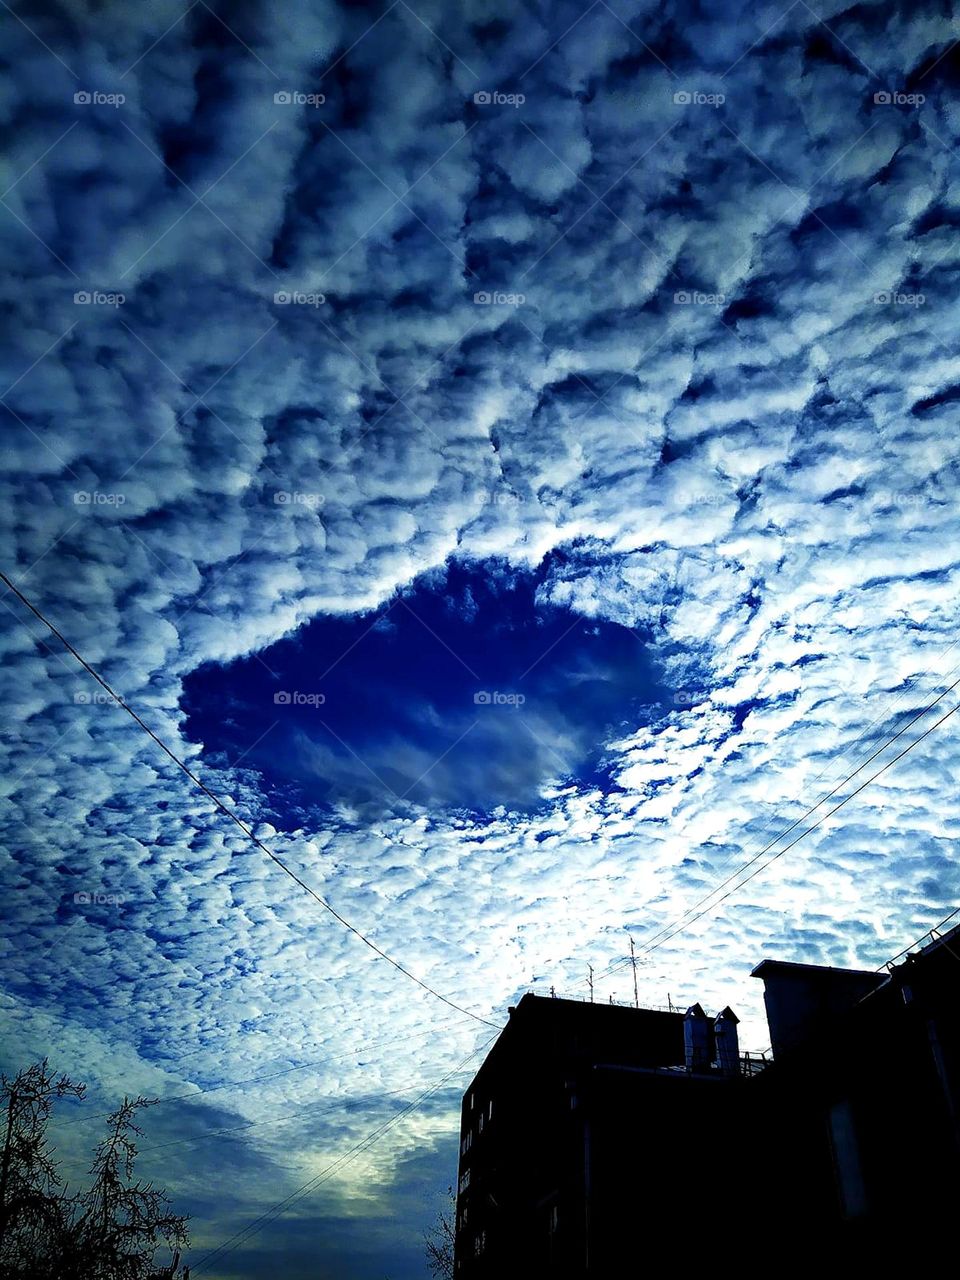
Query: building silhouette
point(581, 1117)
point(590, 1127)
point(860, 1112)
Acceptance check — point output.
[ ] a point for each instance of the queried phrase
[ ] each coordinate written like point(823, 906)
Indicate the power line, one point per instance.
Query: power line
point(235, 817)
point(779, 854)
point(934, 929)
point(888, 713)
point(295, 1114)
point(274, 1075)
point(619, 964)
point(657, 939)
point(240, 1237)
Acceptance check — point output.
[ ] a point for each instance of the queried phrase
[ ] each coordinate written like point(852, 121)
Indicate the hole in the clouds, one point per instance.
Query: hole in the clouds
point(463, 692)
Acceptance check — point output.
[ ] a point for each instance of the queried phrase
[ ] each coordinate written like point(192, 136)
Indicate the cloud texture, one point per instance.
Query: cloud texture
point(676, 332)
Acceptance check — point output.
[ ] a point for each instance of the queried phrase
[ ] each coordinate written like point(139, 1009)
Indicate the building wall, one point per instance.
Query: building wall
point(591, 1136)
point(860, 1113)
point(582, 1136)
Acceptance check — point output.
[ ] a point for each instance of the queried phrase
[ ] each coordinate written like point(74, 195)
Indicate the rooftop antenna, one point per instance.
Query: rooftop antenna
point(633, 962)
point(590, 981)
point(553, 994)
point(669, 1002)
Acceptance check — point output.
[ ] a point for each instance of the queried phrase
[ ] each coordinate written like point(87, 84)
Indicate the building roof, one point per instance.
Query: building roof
point(783, 968)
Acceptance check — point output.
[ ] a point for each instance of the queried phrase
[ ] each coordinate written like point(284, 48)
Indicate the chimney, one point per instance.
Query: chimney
point(696, 1039)
point(727, 1042)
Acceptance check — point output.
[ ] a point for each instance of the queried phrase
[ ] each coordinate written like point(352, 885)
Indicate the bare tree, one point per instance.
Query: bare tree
point(439, 1239)
point(34, 1211)
point(121, 1222)
point(111, 1231)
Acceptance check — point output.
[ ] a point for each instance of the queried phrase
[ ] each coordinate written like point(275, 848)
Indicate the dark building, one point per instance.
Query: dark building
point(591, 1126)
point(859, 1112)
point(586, 1119)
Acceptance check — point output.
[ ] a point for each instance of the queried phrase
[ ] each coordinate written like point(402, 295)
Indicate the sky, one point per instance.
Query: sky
point(508, 451)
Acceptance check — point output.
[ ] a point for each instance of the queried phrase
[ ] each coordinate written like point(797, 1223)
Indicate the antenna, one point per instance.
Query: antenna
point(633, 962)
point(590, 981)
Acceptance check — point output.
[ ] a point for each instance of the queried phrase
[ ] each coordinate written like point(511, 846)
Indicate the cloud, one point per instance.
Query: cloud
point(722, 415)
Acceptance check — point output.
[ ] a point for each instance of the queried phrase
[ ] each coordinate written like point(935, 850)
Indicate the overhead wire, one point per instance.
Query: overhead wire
point(929, 933)
point(316, 1064)
point(653, 941)
point(235, 817)
point(296, 1114)
point(257, 1225)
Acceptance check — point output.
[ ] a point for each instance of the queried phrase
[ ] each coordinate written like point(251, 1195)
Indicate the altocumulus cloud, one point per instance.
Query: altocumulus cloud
point(306, 303)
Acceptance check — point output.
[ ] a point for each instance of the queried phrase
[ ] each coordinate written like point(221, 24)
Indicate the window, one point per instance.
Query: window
point(846, 1155)
point(464, 1181)
point(466, 1144)
point(480, 1124)
point(553, 1219)
point(479, 1243)
point(490, 1109)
